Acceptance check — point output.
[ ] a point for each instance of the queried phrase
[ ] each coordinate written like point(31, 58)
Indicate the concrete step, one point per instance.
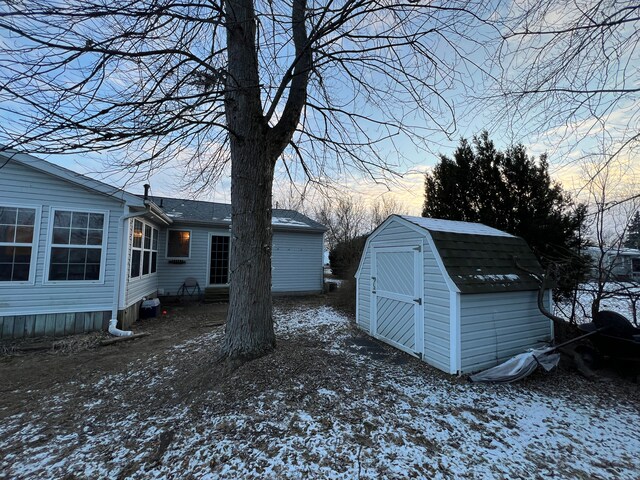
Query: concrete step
point(216, 295)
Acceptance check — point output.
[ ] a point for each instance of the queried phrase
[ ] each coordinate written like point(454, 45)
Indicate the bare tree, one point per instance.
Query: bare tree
point(345, 217)
point(611, 219)
point(570, 70)
point(383, 207)
point(235, 82)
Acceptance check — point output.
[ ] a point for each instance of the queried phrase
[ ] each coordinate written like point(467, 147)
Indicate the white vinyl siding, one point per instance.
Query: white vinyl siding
point(171, 276)
point(497, 326)
point(47, 192)
point(437, 312)
point(296, 262)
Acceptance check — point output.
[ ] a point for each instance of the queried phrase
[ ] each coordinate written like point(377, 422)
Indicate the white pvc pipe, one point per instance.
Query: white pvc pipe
point(113, 330)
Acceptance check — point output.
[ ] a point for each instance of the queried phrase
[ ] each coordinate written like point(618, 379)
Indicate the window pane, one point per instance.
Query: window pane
point(77, 255)
point(135, 263)
point(6, 254)
point(74, 263)
point(58, 271)
point(61, 236)
point(93, 255)
point(24, 235)
point(23, 255)
point(7, 233)
point(59, 255)
point(146, 264)
point(5, 272)
point(92, 272)
point(96, 220)
point(147, 237)
point(178, 243)
point(154, 262)
point(62, 219)
point(80, 220)
point(155, 240)
point(137, 233)
point(26, 216)
point(78, 236)
point(8, 215)
point(94, 237)
point(20, 272)
point(76, 272)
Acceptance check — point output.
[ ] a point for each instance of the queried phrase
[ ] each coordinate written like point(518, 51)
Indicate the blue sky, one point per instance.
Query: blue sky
point(566, 146)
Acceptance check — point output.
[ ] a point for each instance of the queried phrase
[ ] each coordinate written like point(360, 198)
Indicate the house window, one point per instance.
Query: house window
point(76, 246)
point(635, 265)
point(17, 227)
point(179, 244)
point(144, 249)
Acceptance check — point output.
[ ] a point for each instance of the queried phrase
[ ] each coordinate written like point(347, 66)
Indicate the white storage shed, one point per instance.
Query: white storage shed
point(450, 292)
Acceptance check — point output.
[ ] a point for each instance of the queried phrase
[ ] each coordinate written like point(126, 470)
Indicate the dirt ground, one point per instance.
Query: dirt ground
point(328, 403)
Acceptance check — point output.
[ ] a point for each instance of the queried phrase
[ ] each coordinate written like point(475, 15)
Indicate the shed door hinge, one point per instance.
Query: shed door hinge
point(418, 301)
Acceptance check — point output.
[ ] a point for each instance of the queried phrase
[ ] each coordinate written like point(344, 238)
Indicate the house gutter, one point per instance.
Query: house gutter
point(148, 209)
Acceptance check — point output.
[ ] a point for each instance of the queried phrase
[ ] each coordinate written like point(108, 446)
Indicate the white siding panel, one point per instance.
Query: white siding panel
point(296, 262)
point(171, 276)
point(437, 313)
point(23, 185)
point(363, 318)
point(497, 326)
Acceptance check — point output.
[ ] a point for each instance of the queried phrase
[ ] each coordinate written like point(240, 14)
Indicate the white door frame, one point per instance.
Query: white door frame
point(417, 298)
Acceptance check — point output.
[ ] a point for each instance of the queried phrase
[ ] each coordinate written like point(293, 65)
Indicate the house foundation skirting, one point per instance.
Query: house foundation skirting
point(52, 324)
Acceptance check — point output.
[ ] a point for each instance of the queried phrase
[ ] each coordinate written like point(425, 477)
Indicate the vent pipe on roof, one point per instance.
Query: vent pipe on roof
point(146, 191)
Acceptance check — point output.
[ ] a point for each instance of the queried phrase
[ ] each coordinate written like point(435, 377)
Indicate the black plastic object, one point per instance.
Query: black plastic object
point(617, 325)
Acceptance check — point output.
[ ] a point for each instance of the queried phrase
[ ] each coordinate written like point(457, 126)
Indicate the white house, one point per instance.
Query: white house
point(76, 253)
point(450, 293)
point(615, 263)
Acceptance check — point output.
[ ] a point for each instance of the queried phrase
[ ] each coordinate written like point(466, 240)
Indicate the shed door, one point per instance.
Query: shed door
point(397, 297)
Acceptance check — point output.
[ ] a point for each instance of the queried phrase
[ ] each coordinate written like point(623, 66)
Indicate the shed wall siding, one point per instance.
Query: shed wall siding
point(24, 186)
point(497, 326)
point(437, 314)
point(296, 262)
point(436, 294)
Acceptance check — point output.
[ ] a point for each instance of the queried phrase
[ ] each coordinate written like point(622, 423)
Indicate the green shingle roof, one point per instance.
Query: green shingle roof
point(487, 263)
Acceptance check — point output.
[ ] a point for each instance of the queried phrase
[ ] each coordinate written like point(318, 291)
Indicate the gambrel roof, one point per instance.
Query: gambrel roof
point(477, 258)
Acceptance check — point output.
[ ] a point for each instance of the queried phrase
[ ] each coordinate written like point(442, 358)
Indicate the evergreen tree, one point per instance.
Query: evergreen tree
point(633, 233)
point(513, 192)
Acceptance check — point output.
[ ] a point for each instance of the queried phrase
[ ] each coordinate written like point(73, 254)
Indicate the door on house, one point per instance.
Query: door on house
point(397, 293)
point(219, 260)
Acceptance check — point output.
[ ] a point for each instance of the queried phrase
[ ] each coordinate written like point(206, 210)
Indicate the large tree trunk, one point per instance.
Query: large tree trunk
point(249, 327)
point(249, 322)
point(255, 148)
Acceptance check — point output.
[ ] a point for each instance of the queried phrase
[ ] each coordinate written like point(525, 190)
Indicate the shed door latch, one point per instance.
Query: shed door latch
point(418, 301)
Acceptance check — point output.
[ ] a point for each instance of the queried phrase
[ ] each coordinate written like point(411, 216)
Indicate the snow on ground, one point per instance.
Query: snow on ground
point(619, 299)
point(322, 407)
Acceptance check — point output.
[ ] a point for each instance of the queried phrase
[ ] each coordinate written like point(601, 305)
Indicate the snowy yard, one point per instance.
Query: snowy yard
point(326, 404)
